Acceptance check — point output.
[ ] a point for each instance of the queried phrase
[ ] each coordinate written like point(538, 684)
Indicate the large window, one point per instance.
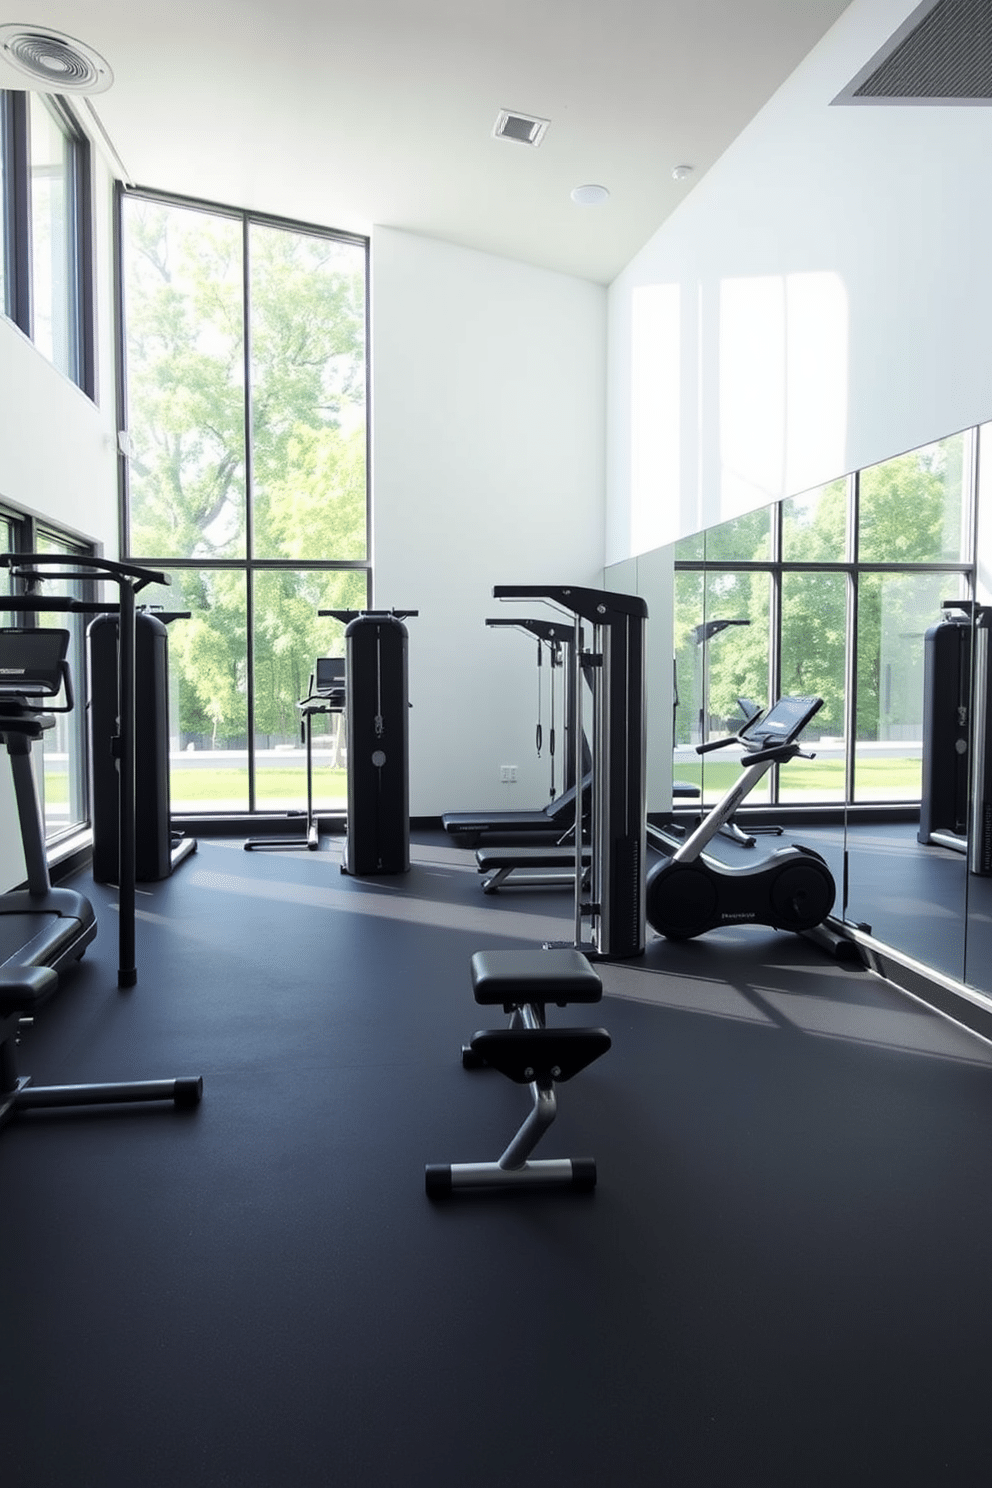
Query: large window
point(63, 778)
point(247, 435)
point(45, 277)
point(829, 593)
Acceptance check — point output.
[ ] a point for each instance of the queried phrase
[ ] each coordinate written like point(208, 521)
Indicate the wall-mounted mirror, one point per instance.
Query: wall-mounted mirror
point(837, 593)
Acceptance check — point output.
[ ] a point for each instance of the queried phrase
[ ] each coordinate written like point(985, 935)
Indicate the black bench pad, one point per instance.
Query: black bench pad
point(489, 858)
point(546, 1054)
point(514, 977)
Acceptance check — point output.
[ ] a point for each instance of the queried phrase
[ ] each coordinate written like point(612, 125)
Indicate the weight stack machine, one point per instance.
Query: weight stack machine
point(378, 741)
point(157, 849)
point(956, 802)
point(610, 922)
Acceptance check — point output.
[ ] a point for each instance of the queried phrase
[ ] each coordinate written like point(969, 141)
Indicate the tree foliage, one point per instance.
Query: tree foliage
point(235, 456)
point(909, 513)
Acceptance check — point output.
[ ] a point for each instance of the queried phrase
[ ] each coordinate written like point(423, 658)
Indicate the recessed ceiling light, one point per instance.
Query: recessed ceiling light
point(681, 171)
point(54, 62)
point(590, 196)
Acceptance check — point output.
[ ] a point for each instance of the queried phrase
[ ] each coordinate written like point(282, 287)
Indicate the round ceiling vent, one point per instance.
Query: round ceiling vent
point(54, 62)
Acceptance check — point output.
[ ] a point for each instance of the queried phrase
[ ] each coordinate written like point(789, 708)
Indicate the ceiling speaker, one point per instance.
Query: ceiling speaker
point(52, 61)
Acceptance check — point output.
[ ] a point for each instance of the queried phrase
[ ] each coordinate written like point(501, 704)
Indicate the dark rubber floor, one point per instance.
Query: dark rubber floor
point(781, 1279)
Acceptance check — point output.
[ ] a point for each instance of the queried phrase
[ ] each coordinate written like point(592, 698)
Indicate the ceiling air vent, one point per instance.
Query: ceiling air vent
point(523, 128)
point(54, 62)
point(941, 54)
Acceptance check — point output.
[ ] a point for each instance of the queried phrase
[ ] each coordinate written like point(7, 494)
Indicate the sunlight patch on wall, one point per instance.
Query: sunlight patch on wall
point(783, 386)
point(655, 457)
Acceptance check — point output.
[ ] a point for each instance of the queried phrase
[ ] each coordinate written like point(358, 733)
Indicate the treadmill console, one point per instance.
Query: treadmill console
point(782, 724)
point(330, 679)
point(32, 662)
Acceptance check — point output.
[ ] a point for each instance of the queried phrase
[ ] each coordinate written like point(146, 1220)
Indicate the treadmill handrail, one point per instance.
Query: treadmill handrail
point(21, 563)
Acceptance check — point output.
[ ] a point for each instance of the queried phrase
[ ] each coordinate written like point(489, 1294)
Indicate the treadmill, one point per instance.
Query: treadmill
point(43, 929)
point(39, 925)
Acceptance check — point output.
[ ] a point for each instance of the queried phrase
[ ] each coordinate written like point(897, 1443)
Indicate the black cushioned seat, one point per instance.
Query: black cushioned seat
point(515, 977)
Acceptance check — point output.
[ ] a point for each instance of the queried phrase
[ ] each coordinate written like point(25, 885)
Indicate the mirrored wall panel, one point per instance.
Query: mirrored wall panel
point(866, 593)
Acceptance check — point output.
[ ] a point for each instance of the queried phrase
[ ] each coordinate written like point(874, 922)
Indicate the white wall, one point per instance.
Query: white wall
point(821, 301)
point(58, 454)
point(488, 468)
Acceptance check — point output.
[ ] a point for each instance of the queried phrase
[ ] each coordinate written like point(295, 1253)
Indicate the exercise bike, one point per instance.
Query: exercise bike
point(689, 893)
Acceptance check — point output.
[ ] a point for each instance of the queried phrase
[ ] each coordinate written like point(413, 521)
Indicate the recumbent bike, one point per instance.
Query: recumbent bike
point(690, 892)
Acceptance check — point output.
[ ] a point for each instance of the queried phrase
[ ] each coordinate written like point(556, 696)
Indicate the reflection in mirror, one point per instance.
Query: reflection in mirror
point(831, 593)
point(978, 940)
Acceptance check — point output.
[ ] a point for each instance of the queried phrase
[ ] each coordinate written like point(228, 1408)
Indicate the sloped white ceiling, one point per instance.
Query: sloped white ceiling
point(382, 111)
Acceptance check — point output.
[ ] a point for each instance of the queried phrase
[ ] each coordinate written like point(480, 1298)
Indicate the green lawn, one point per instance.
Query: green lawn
point(810, 780)
point(876, 779)
point(196, 788)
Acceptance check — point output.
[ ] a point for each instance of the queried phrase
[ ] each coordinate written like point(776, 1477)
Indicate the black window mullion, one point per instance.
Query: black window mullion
point(774, 658)
point(84, 303)
point(249, 507)
point(17, 224)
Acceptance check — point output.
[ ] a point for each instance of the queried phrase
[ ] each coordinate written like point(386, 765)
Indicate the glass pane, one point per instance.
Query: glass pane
point(308, 396)
point(53, 293)
point(289, 636)
point(814, 525)
point(721, 662)
point(688, 698)
point(184, 348)
point(894, 613)
point(66, 801)
point(912, 509)
point(691, 549)
point(814, 630)
point(744, 539)
point(208, 689)
point(734, 646)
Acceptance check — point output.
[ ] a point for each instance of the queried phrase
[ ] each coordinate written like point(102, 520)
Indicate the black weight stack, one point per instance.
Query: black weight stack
point(377, 732)
point(153, 857)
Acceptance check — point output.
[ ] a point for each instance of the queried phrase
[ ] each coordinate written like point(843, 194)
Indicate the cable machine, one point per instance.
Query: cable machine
point(558, 639)
point(610, 922)
point(378, 740)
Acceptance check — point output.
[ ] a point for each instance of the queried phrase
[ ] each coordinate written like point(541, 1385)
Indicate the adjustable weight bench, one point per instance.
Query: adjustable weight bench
point(529, 1053)
point(539, 867)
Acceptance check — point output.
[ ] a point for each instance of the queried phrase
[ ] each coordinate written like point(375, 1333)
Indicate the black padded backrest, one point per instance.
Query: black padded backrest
point(31, 662)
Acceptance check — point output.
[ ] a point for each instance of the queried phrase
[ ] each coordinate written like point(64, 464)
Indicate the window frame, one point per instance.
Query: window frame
point(16, 214)
point(251, 566)
point(27, 531)
point(853, 568)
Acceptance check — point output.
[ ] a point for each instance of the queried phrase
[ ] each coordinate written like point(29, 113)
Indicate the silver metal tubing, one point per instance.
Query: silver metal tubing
point(951, 840)
point(542, 1114)
point(542, 1172)
point(579, 775)
point(692, 847)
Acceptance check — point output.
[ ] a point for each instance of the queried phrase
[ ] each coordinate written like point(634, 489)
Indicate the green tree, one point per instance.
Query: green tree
point(201, 487)
point(910, 512)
